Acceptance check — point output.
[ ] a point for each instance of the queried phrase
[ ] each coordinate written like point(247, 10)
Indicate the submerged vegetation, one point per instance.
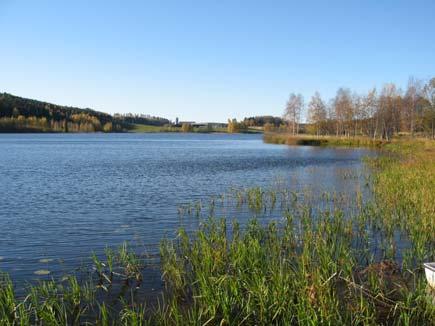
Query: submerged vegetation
point(69, 301)
point(335, 260)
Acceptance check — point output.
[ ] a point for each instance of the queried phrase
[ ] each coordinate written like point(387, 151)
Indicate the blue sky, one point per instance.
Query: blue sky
point(209, 60)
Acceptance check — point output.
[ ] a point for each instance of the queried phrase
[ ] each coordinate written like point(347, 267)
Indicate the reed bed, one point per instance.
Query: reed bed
point(333, 260)
point(309, 140)
point(315, 265)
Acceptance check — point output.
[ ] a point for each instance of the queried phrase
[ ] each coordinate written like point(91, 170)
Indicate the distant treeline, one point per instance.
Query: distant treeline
point(378, 115)
point(261, 121)
point(130, 118)
point(19, 114)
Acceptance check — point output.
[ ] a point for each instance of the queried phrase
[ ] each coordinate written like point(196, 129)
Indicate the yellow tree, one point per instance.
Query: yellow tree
point(233, 126)
point(293, 111)
point(317, 113)
point(186, 127)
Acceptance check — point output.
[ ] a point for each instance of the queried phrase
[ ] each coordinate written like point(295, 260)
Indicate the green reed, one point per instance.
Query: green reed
point(316, 267)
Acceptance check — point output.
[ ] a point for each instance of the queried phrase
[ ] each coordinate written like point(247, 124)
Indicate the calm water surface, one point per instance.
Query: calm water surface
point(63, 196)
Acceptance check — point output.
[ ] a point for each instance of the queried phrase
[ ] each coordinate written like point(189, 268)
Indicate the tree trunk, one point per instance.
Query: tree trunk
point(433, 131)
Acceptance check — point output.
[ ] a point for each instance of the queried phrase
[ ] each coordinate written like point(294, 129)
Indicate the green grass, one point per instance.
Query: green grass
point(311, 265)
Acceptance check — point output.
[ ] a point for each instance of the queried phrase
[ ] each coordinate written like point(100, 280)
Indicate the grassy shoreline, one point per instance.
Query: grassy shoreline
point(309, 140)
point(311, 266)
point(325, 268)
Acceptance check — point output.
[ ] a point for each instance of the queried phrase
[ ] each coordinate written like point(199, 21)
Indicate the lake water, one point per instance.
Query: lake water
point(63, 196)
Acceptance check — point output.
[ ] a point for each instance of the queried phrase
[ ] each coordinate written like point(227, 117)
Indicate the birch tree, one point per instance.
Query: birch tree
point(293, 110)
point(412, 97)
point(429, 110)
point(317, 112)
point(343, 111)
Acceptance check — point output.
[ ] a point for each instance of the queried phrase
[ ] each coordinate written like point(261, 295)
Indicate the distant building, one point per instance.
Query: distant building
point(176, 121)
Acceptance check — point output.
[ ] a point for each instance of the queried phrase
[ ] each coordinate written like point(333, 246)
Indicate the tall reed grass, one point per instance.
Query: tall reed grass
point(308, 140)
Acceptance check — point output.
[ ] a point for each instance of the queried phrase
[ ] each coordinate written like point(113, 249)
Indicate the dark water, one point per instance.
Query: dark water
point(63, 196)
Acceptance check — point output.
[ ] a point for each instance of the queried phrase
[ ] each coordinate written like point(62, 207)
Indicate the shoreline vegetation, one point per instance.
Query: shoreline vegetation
point(342, 263)
point(283, 138)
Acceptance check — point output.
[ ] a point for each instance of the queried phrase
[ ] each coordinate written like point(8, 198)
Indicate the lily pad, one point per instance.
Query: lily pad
point(42, 272)
point(46, 260)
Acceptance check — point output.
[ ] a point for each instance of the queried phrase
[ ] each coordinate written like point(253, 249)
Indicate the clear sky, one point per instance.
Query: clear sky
point(208, 60)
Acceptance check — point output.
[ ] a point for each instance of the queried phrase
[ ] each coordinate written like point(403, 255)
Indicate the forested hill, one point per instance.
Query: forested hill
point(19, 114)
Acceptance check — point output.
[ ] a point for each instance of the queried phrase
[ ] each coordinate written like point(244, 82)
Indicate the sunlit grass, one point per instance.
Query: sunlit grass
point(309, 140)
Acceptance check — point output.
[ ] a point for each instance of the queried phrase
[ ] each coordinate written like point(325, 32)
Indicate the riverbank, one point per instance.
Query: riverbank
point(316, 264)
point(309, 140)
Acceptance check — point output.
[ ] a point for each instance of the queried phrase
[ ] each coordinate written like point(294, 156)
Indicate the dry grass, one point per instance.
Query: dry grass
point(309, 140)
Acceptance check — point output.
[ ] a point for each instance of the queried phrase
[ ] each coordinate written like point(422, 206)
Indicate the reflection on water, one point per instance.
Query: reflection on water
point(66, 195)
